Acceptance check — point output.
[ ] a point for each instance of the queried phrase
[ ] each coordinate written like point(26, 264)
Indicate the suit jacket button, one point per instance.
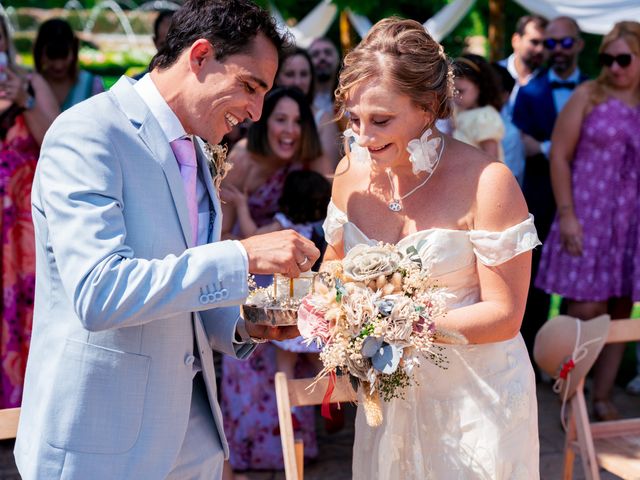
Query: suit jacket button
point(189, 359)
point(225, 293)
point(211, 298)
point(203, 299)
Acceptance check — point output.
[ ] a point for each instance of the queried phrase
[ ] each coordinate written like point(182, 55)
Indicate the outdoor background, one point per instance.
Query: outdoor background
point(117, 35)
point(116, 39)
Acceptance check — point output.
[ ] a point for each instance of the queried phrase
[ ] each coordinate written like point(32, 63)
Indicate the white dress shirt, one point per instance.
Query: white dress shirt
point(560, 99)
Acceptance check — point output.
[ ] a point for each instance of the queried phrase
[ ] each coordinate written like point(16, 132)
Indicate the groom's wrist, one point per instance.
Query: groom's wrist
point(243, 336)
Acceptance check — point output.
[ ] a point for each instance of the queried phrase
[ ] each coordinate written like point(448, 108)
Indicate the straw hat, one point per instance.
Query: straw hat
point(566, 348)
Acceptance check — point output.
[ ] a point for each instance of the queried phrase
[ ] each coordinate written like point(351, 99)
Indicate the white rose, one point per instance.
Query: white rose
point(364, 262)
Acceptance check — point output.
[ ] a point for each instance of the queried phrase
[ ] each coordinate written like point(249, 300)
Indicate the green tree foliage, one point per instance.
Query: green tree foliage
point(34, 3)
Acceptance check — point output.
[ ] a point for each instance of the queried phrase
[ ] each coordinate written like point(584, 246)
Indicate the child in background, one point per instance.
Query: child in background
point(477, 119)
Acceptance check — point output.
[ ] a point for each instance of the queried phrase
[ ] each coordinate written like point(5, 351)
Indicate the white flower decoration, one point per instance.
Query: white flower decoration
point(364, 262)
point(358, 153)
point(424, 152)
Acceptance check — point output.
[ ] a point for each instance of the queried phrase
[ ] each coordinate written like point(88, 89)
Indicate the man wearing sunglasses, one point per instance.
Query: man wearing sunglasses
point(535, 111)
point(528, 52)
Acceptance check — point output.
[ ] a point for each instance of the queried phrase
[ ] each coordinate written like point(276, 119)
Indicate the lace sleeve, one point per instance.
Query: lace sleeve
point(495, 248)
point(333, 224)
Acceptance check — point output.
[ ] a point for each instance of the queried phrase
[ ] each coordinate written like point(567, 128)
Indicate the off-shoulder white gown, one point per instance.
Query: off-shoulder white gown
point(477, 419)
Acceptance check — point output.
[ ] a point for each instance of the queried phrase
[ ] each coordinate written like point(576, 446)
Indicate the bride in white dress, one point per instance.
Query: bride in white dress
point(465, 214)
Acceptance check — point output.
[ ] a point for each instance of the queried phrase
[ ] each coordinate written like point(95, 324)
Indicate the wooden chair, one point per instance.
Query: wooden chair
point(294, 393)
point(9, 423)
point(612, 445)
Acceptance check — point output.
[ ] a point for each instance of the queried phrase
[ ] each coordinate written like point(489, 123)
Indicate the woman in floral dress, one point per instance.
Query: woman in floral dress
point(283, 140)
point(27, 108)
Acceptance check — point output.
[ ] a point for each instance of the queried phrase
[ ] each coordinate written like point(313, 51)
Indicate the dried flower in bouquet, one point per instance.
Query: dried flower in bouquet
point(217, 162)
point(373, 315)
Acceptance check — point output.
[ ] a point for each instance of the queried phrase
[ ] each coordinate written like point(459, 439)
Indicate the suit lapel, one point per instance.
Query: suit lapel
point(154, 138)
point(203, 165)
point(548, 107)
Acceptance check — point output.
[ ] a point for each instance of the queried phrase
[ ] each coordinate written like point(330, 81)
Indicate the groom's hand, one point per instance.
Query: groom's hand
point(271, 333)
point(286, 252)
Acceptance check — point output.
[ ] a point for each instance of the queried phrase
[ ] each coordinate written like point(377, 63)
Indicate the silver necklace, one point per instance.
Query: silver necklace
point(395, 205)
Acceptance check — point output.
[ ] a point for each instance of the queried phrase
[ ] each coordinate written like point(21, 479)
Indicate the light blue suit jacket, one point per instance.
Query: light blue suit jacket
point(121, 294)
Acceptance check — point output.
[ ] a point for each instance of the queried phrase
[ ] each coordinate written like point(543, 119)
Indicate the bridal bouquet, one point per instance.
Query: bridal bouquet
point(373, 315)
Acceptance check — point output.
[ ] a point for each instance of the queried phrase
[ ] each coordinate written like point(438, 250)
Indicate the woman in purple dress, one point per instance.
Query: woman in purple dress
point(592, 255)
point(283, 140)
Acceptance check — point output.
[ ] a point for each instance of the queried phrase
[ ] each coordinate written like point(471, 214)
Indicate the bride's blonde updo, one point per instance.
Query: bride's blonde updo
point(402, 53)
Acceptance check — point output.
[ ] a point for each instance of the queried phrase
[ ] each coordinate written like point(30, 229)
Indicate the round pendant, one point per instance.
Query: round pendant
point(395, 206)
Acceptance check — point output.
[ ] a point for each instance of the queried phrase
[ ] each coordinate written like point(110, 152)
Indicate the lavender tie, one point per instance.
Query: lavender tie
point(186, 156)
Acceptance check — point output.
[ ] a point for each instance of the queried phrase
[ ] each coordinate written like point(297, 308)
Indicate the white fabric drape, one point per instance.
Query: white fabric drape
point(360, 23)
point(318, 21)
point(593, 16)
point(438, 26)
point(314, 25)
point(443, 22)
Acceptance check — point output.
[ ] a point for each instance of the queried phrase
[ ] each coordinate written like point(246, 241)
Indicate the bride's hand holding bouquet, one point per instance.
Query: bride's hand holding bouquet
point(373, 313)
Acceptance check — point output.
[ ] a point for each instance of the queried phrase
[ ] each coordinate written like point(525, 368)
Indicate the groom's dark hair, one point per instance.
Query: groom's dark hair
point(229, 25)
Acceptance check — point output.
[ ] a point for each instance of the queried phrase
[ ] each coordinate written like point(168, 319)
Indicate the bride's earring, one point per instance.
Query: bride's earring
point(424, 153)
point(357, 153)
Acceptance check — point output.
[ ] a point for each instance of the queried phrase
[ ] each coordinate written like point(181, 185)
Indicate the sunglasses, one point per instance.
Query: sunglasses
point(623, 60)
point(566, 43)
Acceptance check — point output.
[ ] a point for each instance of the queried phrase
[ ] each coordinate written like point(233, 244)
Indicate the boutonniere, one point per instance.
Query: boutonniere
point(217, 162)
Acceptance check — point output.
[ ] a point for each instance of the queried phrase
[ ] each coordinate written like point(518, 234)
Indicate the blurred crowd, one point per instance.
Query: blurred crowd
point(571, 142)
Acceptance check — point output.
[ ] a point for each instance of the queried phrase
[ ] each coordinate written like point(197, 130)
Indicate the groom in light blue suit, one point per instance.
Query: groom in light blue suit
point(134, 289)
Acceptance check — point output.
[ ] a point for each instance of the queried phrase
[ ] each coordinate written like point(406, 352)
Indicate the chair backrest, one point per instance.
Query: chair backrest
point(593, 440)
point(9, 423)
point(301, 394)
point(298, 392)
point(627, 330)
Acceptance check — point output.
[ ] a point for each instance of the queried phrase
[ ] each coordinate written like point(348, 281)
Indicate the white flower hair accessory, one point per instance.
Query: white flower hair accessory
point(423, 152)
point(358, 153)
